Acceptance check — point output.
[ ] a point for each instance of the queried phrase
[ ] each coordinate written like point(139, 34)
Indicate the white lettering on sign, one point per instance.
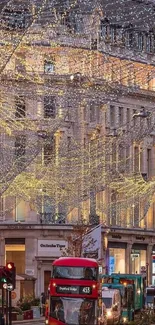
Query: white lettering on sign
point(86, 289)
point(68, 289)
point(74, 289)
point(51, 247)
point(29, 271)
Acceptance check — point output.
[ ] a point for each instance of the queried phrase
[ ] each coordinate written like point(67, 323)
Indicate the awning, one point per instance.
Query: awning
point(25, 277)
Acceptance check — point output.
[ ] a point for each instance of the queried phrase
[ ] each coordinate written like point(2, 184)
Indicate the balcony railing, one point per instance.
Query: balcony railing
point(49, 218)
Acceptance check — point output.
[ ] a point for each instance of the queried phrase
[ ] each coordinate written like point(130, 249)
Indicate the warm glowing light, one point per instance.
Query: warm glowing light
point(109, 313)
point(9, 266)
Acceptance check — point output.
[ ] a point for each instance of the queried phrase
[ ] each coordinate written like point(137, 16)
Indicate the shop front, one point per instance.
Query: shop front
point(117, 257)
point(15, 251)
point(138, 258)
point(153, 265)
point(48, 251)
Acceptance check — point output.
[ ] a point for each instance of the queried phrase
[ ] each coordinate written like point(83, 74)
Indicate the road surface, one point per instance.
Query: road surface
point(30, 323)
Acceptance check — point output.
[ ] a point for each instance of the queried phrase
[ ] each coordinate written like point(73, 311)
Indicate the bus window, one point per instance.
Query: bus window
point(81, 273)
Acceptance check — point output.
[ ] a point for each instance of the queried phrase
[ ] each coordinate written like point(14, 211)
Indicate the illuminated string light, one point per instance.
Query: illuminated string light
point(102, 77)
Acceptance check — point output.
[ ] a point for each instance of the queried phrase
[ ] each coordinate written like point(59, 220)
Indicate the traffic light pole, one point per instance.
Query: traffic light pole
point(8, 283)
point(7, 308)
point(2, 301)
point(10, 308)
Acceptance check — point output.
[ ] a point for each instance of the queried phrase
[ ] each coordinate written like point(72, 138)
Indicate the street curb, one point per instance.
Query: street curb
point(28, 321)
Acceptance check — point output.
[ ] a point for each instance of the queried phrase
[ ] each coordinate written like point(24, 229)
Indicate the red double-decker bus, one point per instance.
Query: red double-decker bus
point(73, 292)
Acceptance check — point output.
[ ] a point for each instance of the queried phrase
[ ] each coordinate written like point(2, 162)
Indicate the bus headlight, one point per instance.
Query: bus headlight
point(109, 313)
point(46, 321)
point(124, 319)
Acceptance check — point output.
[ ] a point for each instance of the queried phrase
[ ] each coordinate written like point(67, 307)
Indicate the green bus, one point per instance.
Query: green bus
point(132, 288)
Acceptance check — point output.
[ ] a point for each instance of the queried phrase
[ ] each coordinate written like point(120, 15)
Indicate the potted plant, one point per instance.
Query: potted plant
point(25, 306)
point(35, 306)
point(19, 313)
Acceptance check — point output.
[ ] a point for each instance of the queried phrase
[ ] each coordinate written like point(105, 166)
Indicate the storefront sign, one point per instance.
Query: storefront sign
point(52, 248)
point(135, 253)
point(140, 237)
point(19, 227)
point(29, 272)
point(74, 290)
point(116, 236)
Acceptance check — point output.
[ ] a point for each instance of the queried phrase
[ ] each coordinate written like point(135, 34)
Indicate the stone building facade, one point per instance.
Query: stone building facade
point(80, 80)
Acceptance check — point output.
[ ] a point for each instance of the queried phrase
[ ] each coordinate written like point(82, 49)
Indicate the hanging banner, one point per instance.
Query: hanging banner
point(92, 243)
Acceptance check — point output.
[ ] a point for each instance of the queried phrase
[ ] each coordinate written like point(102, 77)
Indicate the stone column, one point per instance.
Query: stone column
point(39, 279)
point(128, 258)
point(2, 251)
point(149, 262)
point(30, 262)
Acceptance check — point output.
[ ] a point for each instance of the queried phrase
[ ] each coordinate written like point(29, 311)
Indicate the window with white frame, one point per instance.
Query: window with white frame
point(49, 66)
point(129, 38)
point(128, 118)
point(121, 158)
point(20, 63)
point(20, 147)
point(136, 159)
point(14, 18)
point(21, 210)
point(149, 43)
point(49, 107)
point(112, 115)
point(92, 112)
point(20, 107)
point(78, 24)
point(149, 154)
point(121, 111)
point(113, 33)
point(49, 150)
point(1, 208)
point(105, 29)
point(140, 42)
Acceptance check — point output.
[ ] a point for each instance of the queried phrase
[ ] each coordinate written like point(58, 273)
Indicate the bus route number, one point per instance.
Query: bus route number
point(86, 290)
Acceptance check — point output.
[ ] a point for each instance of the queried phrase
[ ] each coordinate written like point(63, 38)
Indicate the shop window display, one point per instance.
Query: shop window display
point(138, 260)
point(116, 260)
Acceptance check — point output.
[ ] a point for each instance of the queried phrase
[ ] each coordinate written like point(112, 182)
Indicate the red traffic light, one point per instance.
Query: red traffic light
point(10, 265)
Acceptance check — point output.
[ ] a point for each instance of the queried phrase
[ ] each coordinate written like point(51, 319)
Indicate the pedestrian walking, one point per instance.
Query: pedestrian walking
point(42, 304)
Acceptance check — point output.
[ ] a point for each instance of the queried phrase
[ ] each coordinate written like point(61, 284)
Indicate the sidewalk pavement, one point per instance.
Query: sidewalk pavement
point(35, 320)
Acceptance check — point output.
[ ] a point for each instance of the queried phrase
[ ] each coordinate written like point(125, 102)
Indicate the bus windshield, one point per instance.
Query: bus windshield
point(77, 311)
point(78, 273)
point(107, 302)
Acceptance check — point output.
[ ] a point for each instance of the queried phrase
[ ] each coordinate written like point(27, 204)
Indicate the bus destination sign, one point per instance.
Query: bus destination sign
point(74, 290)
